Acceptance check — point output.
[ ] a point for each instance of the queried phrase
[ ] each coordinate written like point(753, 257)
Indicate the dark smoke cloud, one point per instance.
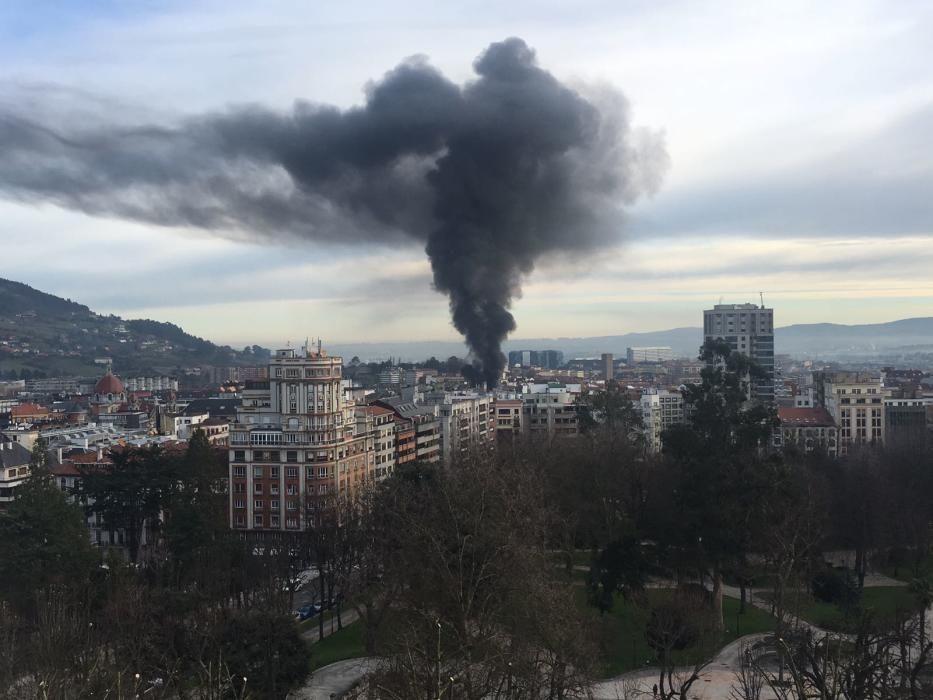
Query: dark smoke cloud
point(490, 176)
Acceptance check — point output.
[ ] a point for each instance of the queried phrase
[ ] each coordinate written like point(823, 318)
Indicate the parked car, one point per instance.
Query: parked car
point(306, 612)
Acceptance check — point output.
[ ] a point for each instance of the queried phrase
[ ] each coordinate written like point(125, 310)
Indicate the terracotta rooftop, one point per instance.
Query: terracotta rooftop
point(108, 384)
point(805, 417)
point(28, 409)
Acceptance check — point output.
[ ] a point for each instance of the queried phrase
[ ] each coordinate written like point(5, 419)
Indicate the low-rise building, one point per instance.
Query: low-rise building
point(809, 428)
point(654, 354)
point(14, 469)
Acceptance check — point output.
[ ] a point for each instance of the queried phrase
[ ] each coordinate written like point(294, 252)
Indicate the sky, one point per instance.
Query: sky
point(798, 133)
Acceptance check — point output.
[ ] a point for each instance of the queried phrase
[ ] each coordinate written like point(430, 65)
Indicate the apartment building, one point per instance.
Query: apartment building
point(295, 445)
point(855, 400)
point(467, 422)
point(424, 421)
point(508, 419)
point(385, 437)
point(550, 410)
point(660, 410)
point(749, 329)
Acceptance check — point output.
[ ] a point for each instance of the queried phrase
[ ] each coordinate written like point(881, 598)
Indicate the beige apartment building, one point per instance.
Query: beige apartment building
point(296, 444)
point(855, 400)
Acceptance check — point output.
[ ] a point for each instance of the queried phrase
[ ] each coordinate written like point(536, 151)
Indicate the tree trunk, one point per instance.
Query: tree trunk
point(717, 598)
point(742, 596)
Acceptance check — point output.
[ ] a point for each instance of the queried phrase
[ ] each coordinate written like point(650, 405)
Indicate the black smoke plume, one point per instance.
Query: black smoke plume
point(490, 176)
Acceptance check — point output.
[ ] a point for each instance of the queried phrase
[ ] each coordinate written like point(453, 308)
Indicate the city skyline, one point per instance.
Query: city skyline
point(808, 186)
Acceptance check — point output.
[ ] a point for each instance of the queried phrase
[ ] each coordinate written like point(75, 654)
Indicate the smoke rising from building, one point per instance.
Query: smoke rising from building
point(488, 176)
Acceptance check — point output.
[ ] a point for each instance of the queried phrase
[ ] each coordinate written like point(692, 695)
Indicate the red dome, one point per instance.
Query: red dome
point(108, 384)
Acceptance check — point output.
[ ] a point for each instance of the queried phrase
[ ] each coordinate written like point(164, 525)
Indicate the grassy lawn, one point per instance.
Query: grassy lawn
point(884, 603)
point(908, 571)
point(625, 646)
point(346, 644)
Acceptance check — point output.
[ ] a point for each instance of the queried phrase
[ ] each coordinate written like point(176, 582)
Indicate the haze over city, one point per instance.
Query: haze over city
point(795, 134)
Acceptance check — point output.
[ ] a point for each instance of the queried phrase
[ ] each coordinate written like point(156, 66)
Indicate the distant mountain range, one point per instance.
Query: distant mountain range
point(811, 340)
point(42, 333)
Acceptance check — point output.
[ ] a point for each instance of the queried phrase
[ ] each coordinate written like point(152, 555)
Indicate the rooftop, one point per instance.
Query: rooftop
point(805, 417)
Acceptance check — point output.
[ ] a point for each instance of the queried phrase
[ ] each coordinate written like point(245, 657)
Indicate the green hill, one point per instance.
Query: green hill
point(45, 335)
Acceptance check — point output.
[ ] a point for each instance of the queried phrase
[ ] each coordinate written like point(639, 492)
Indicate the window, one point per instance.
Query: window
point(273, 472)
point(291, 456)
point(257, 520)
point(257, 472)
point(322, 488)
point(274, 521)
point(239, 488)
point(322, 472)
point(239, 471)
point(274, 489)
point(291, 523)
point(239, 503)
point(239, 455)
point(274, 504)
point(291, 472)
point(257, 487)
point(291, 505)
point(257, 504)
point(291, 489)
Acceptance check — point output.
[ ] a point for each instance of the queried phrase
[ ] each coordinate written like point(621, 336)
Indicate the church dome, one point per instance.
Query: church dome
point(108, 384)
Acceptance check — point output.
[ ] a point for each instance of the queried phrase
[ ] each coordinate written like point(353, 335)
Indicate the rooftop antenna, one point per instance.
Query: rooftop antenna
point(319, 345)
point(762, 295)
point(720, 301)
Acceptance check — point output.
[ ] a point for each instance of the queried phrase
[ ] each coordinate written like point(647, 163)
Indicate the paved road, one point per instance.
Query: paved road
point(335, 679)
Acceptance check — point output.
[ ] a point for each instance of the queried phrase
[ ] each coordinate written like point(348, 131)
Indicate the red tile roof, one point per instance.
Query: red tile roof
point(805, 417)
point(28, 409)
point(378, 410)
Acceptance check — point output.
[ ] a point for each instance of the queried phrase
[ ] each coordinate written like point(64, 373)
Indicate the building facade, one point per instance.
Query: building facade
point(648, 354)
point(295, 446)
point(545, 359)
point(809, 428)
point(748, 329)
point(660, 410)
point(855, 400)
point(467, 422)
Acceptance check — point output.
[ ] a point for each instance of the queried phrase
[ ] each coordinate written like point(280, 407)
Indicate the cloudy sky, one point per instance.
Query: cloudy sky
point(799, 135)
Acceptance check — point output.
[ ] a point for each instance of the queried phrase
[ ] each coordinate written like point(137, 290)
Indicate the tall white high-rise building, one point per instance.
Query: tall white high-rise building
point(749, 329)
